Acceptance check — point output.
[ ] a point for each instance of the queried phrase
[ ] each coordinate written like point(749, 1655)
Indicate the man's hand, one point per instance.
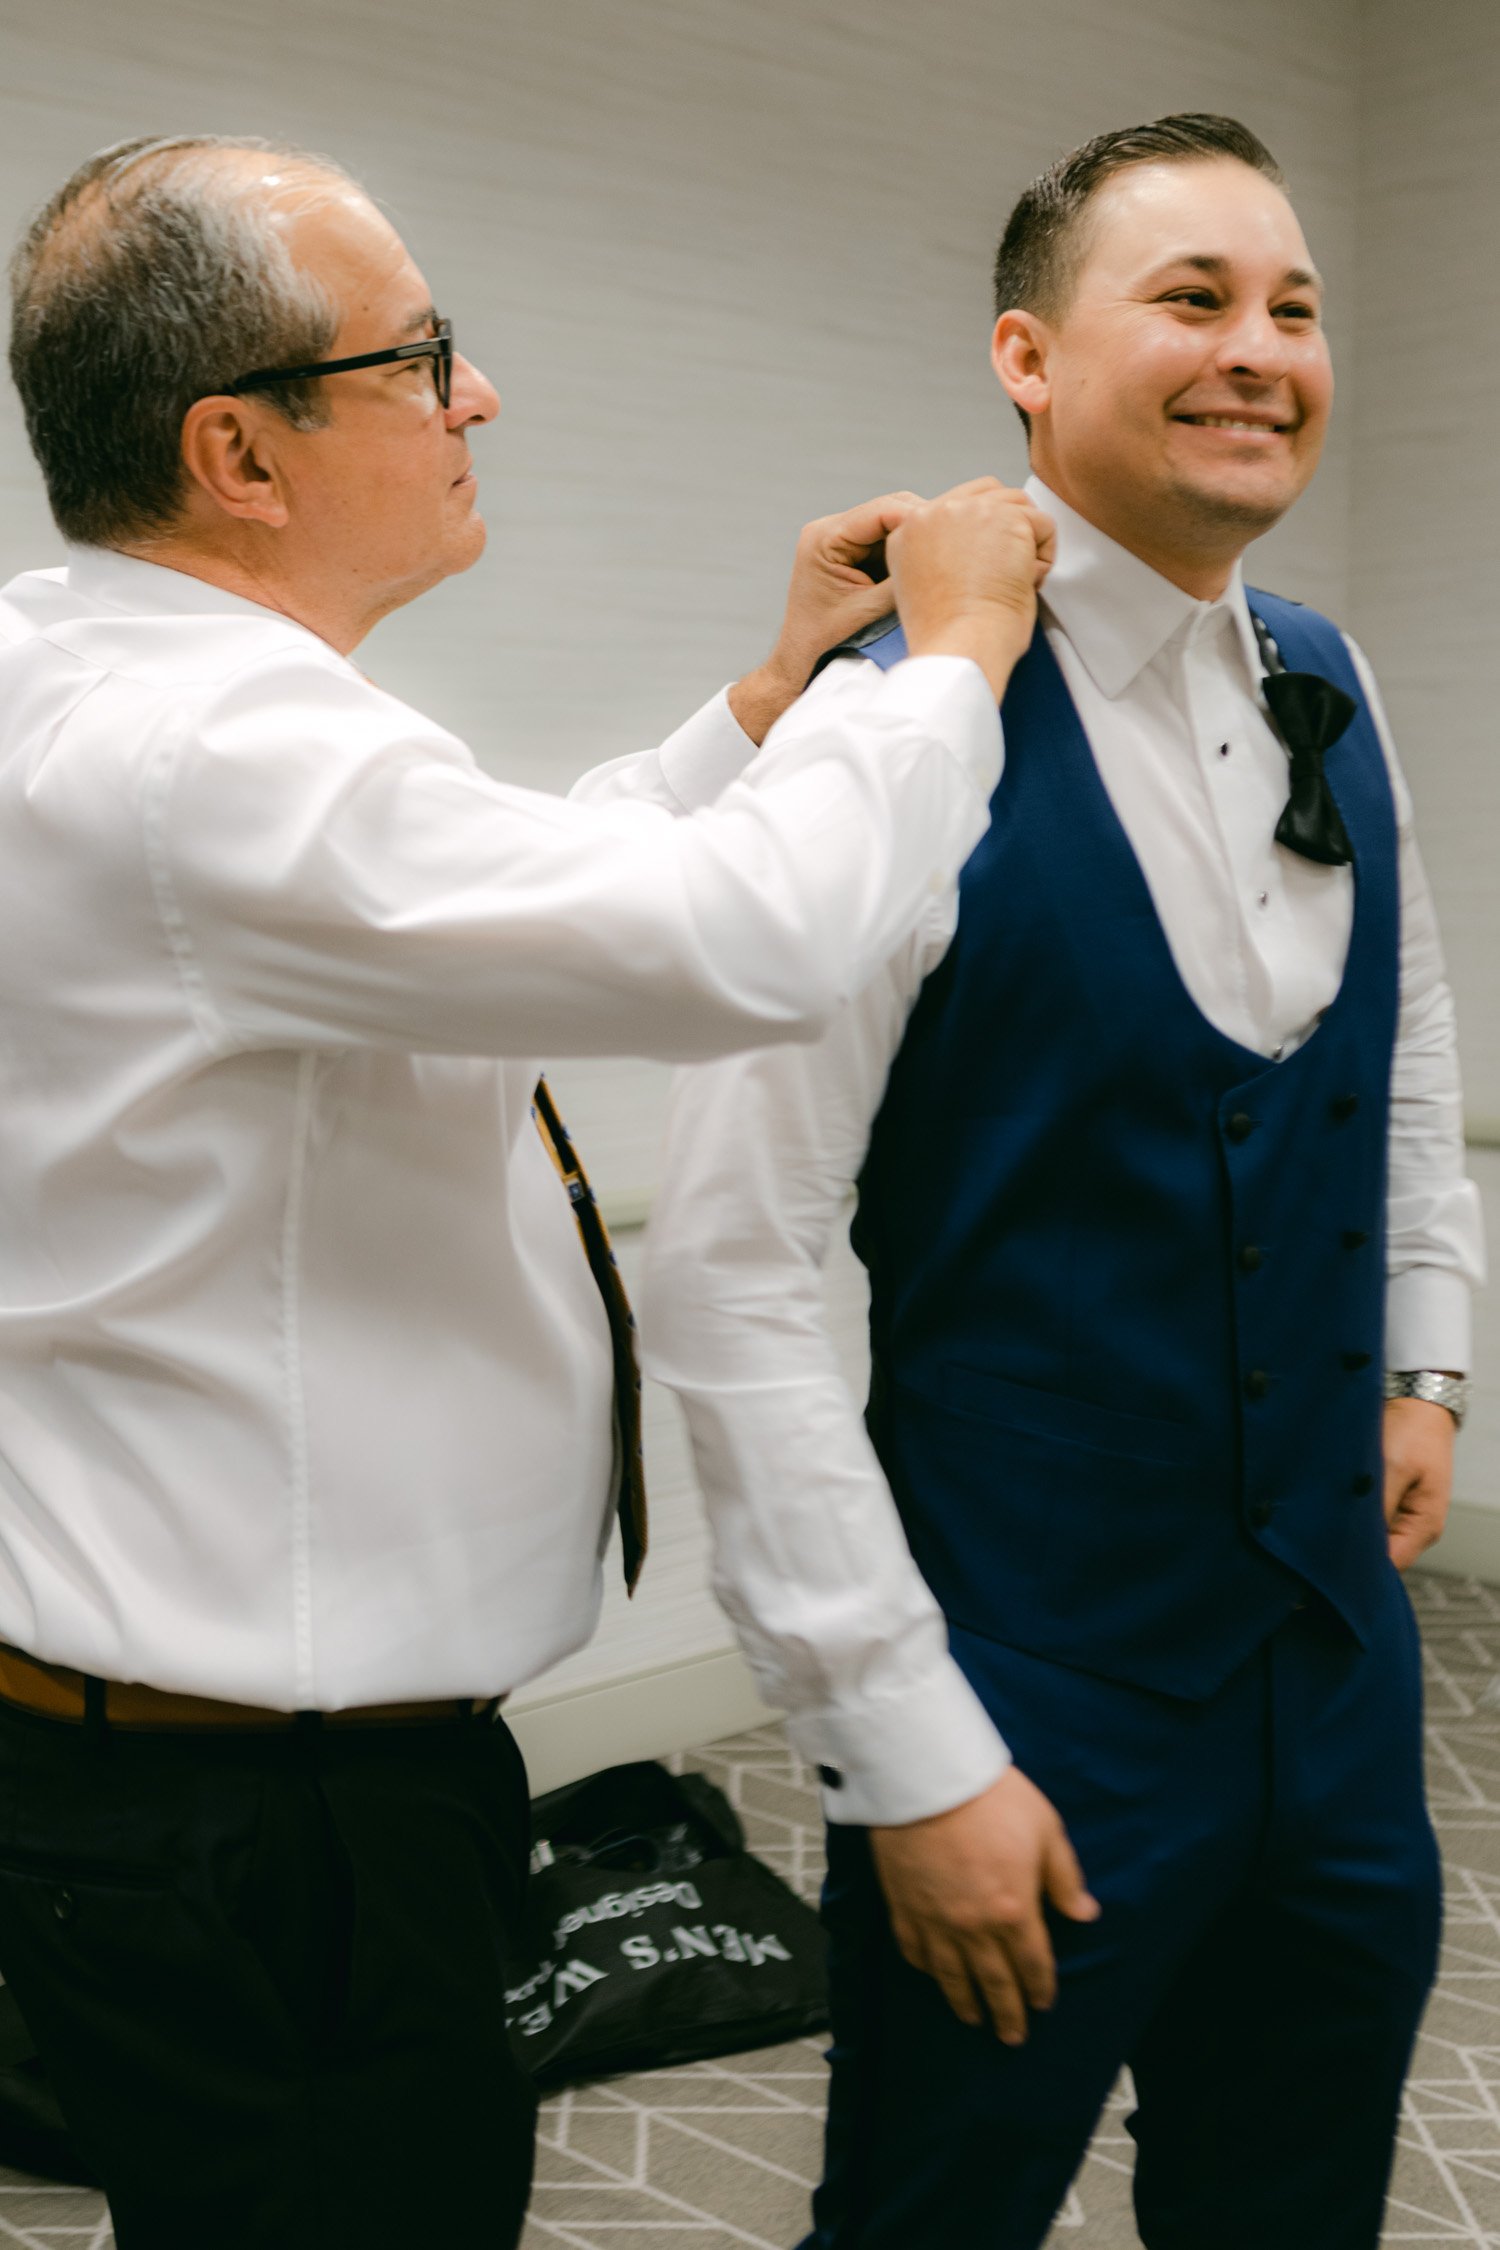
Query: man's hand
point(966, 568)
point(965, 1890)
point(1418, 1443)
point(838, 585)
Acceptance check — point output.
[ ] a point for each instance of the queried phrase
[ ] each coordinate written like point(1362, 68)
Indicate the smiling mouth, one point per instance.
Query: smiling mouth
point(1256, 426)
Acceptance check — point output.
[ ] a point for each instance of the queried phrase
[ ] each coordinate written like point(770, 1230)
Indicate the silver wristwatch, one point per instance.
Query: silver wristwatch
point(1451, 1391)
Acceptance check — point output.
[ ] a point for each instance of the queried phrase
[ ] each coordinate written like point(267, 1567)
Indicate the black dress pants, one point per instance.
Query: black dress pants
point(267, 1975)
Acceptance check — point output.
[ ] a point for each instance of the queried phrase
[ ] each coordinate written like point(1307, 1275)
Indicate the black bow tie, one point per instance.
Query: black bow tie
point(1310, 714)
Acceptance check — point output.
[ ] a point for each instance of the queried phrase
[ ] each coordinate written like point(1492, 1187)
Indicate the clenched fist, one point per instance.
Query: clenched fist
point(966, 568)
point(837, 586)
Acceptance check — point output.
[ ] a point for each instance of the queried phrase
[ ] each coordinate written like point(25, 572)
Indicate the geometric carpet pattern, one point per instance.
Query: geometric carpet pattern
point(723, 2155)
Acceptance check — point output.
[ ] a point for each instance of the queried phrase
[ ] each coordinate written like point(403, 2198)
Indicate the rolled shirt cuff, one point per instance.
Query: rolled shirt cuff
point(1429, 1320)
point(902, 1757)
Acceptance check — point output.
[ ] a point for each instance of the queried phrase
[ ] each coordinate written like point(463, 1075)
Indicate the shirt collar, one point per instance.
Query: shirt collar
point(124, 582)
point(1117, 612)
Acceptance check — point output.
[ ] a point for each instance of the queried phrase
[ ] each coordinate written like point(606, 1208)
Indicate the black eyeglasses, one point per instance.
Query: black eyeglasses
point(438, 348)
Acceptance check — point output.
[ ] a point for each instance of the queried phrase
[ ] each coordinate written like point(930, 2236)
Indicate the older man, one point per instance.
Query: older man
point(306, 1441)
point(1158, 1162)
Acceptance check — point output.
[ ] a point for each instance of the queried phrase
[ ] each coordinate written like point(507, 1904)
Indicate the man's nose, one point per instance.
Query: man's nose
point(473, 397)
point(1255, 345)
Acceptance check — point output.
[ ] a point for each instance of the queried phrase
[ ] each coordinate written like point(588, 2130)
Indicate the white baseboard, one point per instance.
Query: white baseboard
point(645, 1715)
point(1470, 1546)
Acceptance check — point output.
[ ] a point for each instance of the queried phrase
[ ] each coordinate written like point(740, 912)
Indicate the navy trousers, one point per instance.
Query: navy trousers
point(1270, 1887)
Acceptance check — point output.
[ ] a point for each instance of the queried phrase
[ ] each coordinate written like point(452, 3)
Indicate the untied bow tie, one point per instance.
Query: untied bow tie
point(1309, 714)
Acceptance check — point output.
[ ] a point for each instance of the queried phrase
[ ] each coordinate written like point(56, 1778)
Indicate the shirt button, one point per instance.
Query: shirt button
point(1251, 1258)
point(1262, 898)
point(1257, 1383)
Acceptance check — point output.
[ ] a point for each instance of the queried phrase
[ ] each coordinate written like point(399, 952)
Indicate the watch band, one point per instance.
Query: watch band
point(1451, 1391)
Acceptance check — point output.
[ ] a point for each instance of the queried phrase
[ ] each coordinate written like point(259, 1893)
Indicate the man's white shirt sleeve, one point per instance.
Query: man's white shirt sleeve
point(1434, 1220)
point(332, 869)
point(811, 1562)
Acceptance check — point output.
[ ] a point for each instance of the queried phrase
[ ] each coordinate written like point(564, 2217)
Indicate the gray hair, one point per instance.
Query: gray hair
point(156, 276)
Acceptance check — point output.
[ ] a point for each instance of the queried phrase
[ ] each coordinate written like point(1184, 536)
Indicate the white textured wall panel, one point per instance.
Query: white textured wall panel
point(1425, 576)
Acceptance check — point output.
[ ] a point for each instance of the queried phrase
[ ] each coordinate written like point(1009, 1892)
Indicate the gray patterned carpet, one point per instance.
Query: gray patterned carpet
point(722, 2156)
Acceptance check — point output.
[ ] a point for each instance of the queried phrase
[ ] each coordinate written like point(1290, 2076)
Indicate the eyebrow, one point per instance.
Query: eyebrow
point(428, 316)
point(1295, 277)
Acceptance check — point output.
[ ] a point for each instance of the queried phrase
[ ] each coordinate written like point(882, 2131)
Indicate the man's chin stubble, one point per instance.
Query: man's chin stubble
point(1217, 517)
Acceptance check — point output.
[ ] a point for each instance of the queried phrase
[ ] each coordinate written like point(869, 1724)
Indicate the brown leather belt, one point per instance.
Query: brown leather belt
point(54, 1692)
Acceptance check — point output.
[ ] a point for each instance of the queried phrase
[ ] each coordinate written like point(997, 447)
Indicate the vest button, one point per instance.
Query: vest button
point(1354, 1361)
point(1355, 1238)
point(1240, 1126)
point(1251, 1258)
point(1343, 1108)
point(1362, 1485)
point(1257, 1383)
point(1261, 1513)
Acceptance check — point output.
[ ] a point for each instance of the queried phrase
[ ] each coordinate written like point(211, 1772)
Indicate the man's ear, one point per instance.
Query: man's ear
point(1020, 353)
point(229, 449)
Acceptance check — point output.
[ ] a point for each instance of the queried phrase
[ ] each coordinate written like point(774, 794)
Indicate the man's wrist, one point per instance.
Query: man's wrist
point(759, 699)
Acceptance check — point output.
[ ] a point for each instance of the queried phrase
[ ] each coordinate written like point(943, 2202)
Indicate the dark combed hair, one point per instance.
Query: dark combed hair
point(151, 279)
point(1041, 248)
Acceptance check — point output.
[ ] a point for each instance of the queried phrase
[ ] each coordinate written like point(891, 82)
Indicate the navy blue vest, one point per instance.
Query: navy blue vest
point(1127, 1275)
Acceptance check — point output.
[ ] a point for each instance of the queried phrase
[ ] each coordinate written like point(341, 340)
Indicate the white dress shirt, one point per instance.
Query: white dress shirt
point(811, 1562)
point(304, 1382)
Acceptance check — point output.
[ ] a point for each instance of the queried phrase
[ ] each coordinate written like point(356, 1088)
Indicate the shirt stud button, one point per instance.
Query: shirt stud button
point(1262, 898)
point(830, 1777)
point(1223, 749)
